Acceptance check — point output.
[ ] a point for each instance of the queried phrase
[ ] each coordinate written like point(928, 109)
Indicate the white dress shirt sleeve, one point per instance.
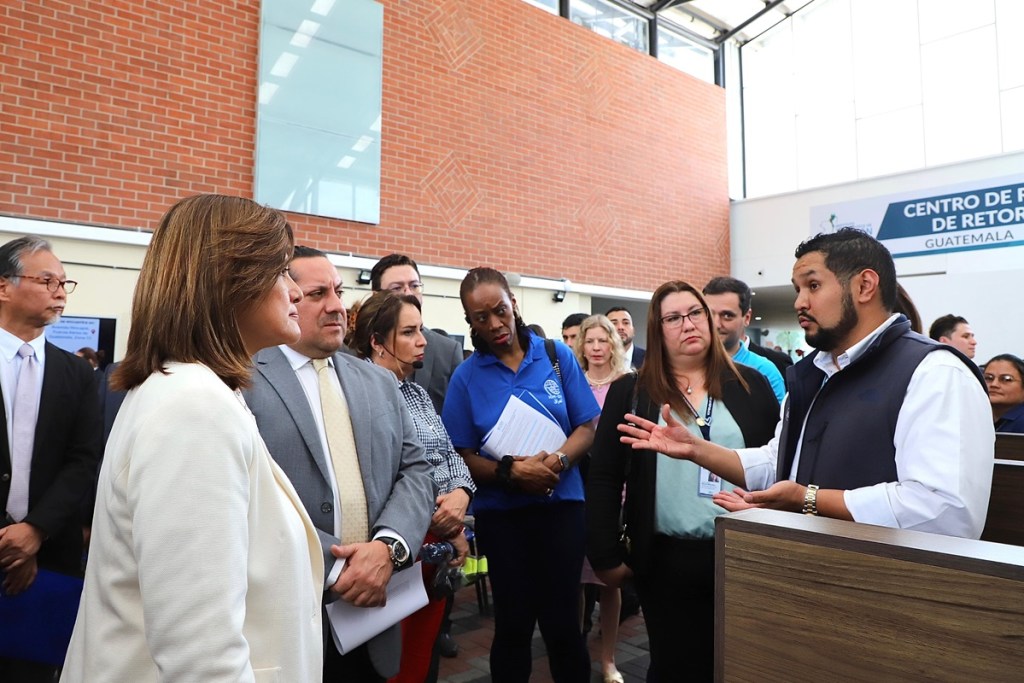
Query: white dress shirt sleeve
point(945, 446)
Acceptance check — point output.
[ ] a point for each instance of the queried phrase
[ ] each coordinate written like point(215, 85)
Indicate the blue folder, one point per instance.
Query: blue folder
point(36, 625)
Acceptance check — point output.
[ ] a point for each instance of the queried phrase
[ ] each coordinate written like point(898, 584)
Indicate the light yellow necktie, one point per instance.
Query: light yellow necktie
point(342, 443)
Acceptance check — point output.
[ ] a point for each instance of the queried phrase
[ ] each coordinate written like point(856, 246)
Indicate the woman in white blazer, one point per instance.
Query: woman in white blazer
point(203, 564)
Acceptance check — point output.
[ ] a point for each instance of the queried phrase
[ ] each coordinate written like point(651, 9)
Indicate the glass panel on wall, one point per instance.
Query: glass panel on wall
point(611, 21)
point(676, 50)
point(549, 5)
point(319, 113)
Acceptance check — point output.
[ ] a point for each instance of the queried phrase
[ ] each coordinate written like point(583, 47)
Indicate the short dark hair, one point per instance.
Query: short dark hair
point(726, 285)
point(848, 251)
point(945, 326)
point(389, 261)
point(616, 309)
point(302, 251)
point(574, 319)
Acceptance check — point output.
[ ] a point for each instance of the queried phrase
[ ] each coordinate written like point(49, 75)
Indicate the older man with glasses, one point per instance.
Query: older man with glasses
point(48, 460)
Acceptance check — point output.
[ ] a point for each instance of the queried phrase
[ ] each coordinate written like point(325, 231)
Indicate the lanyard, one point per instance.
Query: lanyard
point(703, 422)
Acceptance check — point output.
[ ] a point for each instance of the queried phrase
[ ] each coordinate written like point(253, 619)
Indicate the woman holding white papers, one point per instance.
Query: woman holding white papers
point(669, 510)
point(529, 505)
point(389, 334)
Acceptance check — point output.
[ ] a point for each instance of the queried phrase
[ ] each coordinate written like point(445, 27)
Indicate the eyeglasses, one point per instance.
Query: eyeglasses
point(399, 287)
point(52, 283)
point(696, 316)
point(1001, 379)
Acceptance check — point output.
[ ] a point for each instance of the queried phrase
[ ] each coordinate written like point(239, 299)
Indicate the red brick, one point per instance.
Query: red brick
point(116, 108)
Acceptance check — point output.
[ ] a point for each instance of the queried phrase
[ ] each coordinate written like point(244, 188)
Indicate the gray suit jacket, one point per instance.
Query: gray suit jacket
point(400, 490)
point(440, 359)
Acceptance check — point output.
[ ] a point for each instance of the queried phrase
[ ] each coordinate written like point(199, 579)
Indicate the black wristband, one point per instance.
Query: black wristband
point(504, 473)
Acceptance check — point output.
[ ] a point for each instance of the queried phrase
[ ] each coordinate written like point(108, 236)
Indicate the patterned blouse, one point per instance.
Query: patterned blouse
point(450, 470)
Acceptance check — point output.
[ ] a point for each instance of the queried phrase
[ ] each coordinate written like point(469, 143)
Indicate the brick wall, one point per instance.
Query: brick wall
point(511, 137)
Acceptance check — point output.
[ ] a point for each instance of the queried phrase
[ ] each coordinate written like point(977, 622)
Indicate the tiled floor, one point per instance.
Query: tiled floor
point(473, 632)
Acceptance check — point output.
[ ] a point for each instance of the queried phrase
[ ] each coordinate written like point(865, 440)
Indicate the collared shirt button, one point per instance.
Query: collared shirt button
point(326, 508)
point(6, 477)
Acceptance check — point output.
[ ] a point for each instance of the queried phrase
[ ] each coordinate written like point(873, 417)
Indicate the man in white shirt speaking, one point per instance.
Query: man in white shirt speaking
point(881, 425)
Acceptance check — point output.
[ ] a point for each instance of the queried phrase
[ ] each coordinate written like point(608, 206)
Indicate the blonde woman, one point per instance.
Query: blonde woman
point(600, 353)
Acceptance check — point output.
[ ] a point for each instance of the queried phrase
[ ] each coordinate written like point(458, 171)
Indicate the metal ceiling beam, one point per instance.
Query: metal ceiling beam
point(713, 22)
point(666, 4)
point(768, 8)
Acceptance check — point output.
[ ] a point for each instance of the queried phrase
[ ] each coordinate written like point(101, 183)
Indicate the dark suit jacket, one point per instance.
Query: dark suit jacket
point(64, 458)
point(110, 400)
point(440, 359)
point(638, 356)
point(613, 463)
point(397, 480)
point(778, 359)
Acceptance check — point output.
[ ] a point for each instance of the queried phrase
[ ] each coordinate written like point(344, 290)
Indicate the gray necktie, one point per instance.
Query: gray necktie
point(23, 432)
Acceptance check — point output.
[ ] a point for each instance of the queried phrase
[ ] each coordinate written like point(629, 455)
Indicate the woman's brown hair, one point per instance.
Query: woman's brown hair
point(656, 375)
point(211, 257)
point(378, 318)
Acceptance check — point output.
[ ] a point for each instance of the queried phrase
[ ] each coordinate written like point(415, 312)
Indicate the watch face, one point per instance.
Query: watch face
point(399, 552)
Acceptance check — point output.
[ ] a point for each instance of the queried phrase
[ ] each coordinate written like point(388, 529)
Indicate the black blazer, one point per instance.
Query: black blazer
point(778, 359)
point(613, 463)
point(440, 359)
point(64, 458)
point(638, 356)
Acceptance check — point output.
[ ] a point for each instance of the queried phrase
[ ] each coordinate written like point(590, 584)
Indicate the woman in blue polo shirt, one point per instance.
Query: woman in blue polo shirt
point(529, 506)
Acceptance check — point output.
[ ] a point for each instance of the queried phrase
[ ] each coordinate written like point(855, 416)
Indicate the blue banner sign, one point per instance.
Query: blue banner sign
point(940, 221)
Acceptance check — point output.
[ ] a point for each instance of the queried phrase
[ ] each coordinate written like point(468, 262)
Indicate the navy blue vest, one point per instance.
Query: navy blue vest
point(848, 439)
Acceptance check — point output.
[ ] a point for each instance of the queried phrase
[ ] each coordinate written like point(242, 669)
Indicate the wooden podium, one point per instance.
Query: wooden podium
point(804, 598)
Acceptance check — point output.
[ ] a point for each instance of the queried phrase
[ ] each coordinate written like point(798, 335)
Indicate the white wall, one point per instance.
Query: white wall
point(983, 286)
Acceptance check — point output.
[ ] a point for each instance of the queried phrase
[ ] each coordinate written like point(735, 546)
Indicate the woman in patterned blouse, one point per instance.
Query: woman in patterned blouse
point(389, 333)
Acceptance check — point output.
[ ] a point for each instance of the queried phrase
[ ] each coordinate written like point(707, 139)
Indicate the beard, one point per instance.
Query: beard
point(828, 338)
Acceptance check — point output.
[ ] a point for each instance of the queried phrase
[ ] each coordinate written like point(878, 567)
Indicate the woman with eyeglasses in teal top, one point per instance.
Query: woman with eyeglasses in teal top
point(667, 544)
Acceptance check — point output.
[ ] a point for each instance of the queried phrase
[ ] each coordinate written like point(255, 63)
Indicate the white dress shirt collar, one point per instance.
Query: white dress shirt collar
point(824, 361)
point(9, 345)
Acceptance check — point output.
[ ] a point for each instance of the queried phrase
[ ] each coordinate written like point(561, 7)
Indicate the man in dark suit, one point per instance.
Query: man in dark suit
point(48, 460)
point(299, 423)
point(623, 323)
point(399, 274)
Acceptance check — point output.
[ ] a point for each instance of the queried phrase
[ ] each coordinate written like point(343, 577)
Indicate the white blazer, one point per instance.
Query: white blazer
point(203, 564)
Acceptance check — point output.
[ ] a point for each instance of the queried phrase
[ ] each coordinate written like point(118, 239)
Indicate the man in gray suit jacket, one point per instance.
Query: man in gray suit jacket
point(399, 274)
point(397, 483)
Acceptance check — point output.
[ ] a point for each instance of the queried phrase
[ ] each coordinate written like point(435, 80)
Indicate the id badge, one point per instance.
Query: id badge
point(708, 483)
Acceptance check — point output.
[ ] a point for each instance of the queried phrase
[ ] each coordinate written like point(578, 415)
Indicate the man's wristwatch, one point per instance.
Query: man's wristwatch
point(564, 460)
point(398, 552)
point(811, 500)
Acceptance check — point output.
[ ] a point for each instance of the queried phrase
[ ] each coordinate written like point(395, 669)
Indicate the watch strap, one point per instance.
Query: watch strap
point(811, 500)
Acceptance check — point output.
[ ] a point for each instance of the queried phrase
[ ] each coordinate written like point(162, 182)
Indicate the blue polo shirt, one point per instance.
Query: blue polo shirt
point(479, 390)
point(1012, 421)
point(764, 366)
